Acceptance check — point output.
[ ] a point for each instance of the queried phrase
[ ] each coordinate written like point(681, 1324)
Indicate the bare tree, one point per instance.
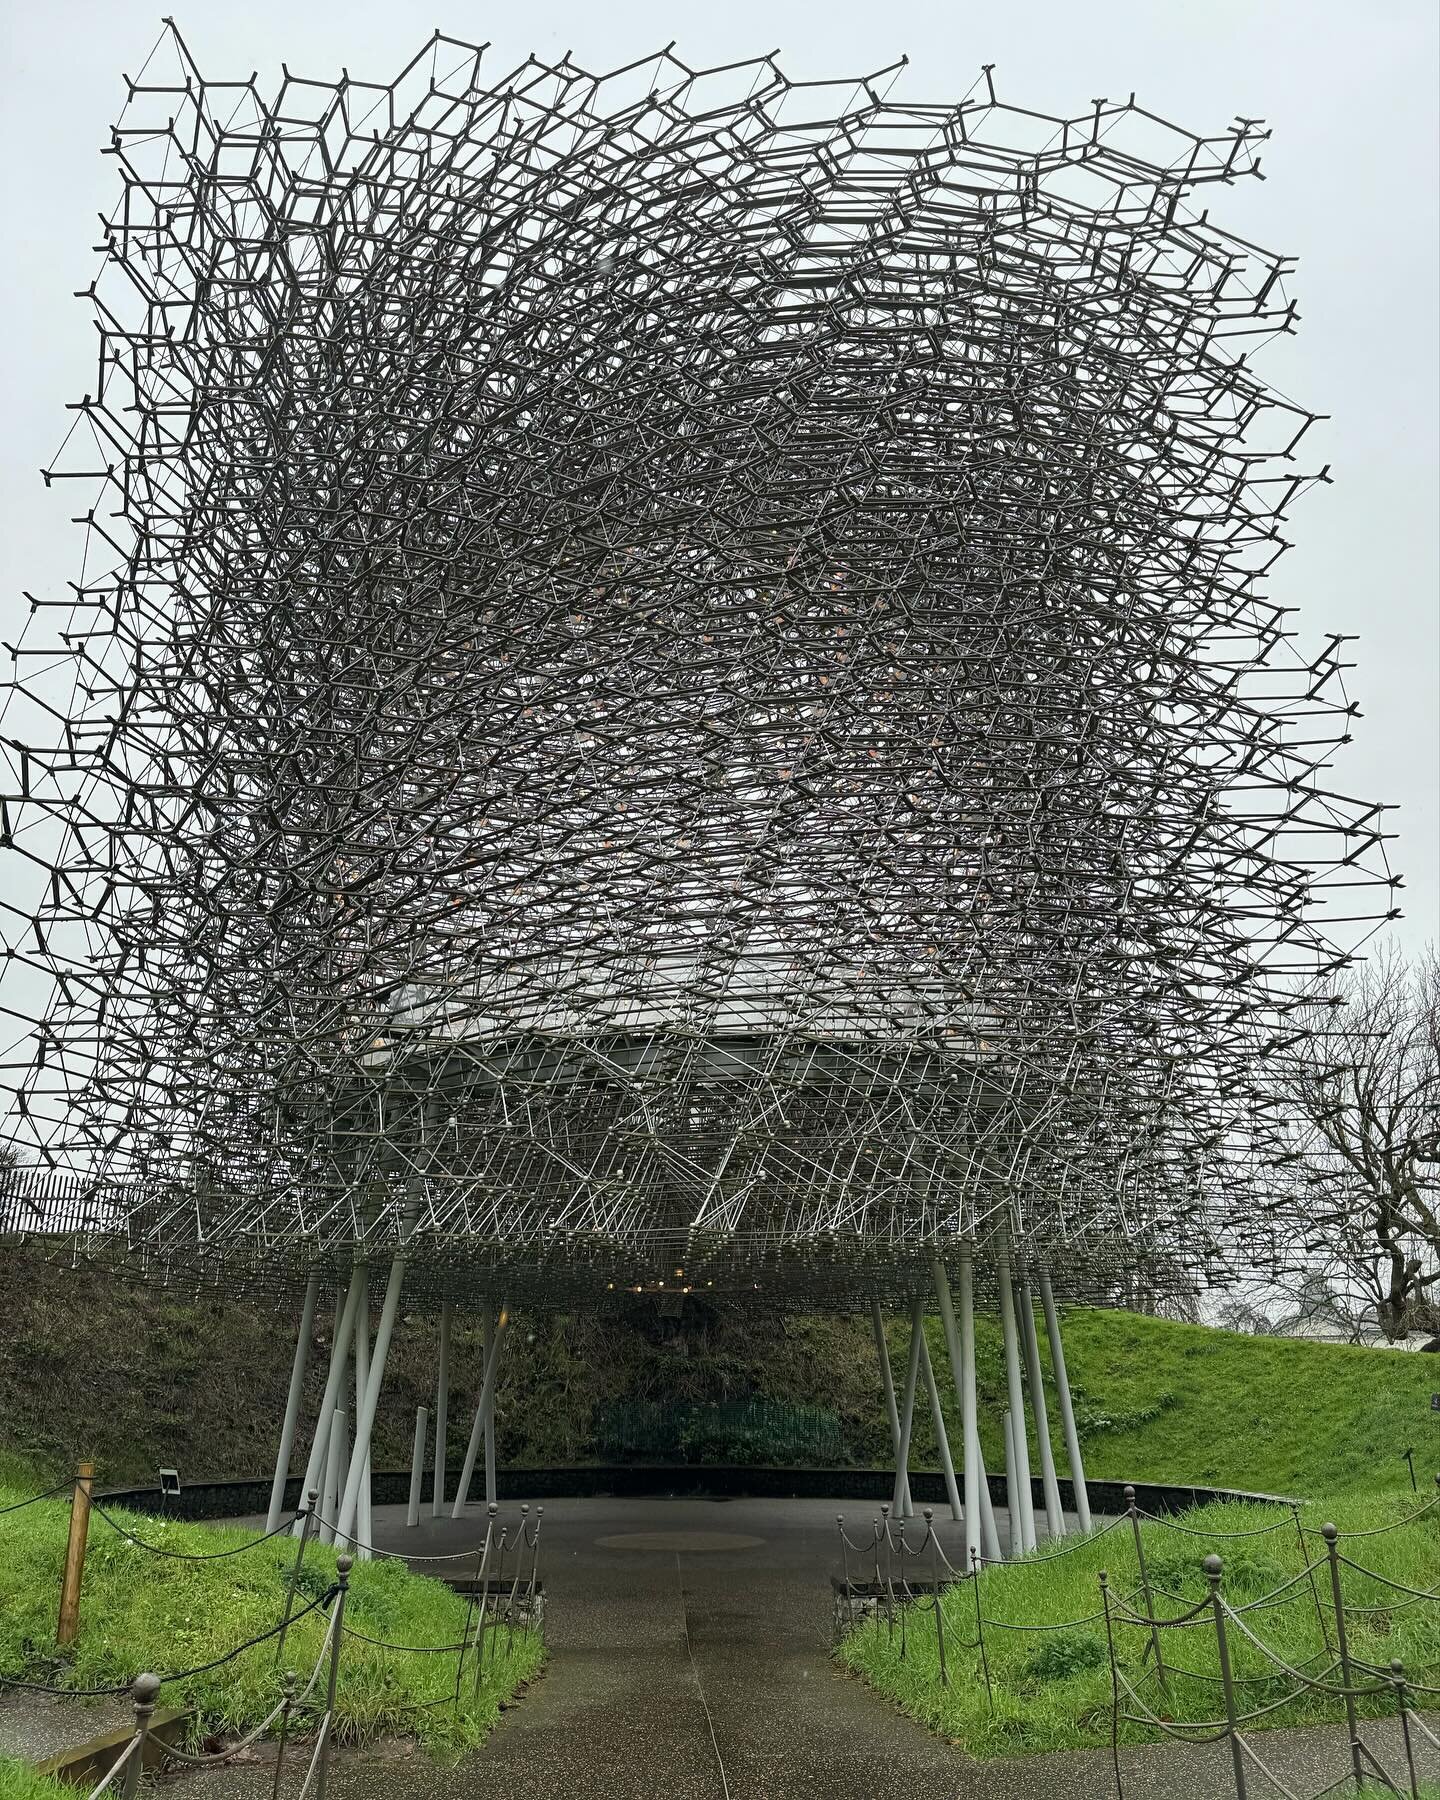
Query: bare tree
point(1365, 1094)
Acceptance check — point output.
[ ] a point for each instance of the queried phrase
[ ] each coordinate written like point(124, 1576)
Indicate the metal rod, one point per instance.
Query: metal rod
point(334, 1465)
point(343, 1565)
point(901, 1500)
point(292, 1403)
point(1023, 1527)
point(887, 1382)
point(366, 1423)
point(1342, 1645)
point(491, 1484)
point(1227, 1679)
point(417, 1465)
point(942, 1436)
point(487, 1386)
point(360, 1456)
point(1067, 1409)
point(442, 1411)
point(317, 1468)
point(1035, 1380)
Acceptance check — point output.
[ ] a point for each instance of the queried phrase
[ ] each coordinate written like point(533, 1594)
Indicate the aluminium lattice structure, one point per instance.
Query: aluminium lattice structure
point(671, 672)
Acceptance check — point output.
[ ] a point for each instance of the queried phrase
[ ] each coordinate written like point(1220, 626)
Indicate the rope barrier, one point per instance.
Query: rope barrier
point(219, 1662)
point(192, 1555)
point(49, 1494)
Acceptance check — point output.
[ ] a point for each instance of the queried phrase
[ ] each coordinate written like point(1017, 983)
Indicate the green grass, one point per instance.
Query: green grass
point(19, 1781)
point(1159, 1401)
point(139, 1612)
point(1052, 1689)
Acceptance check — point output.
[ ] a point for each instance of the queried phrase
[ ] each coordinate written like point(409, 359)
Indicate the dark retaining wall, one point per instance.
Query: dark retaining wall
point(229, 1499)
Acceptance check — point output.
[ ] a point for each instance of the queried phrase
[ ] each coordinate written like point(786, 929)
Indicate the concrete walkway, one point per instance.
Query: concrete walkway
point(691, 1661)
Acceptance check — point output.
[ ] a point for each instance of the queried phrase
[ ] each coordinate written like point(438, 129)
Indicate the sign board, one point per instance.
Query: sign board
point(170, 1478)
point(1435, 1403)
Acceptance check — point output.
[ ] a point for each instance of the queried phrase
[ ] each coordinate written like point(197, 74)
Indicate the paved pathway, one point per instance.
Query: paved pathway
point(691, 1661)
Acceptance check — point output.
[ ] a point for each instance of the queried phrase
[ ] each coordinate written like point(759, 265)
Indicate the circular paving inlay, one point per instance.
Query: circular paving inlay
point(678, 1540)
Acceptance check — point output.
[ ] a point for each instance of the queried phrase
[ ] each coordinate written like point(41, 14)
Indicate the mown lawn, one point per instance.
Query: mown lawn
point(140, 1612)
point(1158, 1401)
point(1052, 1687)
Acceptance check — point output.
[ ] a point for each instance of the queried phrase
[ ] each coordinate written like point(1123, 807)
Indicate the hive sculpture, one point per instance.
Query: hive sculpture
point(671, 680)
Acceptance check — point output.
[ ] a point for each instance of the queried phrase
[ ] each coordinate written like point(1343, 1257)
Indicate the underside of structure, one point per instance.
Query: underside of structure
point(671, 683)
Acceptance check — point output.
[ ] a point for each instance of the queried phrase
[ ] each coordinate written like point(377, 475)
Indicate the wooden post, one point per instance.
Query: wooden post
point(75, 1554)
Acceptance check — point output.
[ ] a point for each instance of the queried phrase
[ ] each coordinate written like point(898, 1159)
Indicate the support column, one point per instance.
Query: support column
point(292, 1403)
point(1062, 1394)
point(887, 1382)
point(942, 1436)
point(334, 1464)
point(989, 1531)
point(1022, 1527)
point(1030, 1343)
point(442, 1408)
point(491, 1494)
point(901, 1502)
point(365, 1424)
point(477, 1430)
point(417, 1466)
point(316, 1467)
point(359, 1545)
point(961, 1346)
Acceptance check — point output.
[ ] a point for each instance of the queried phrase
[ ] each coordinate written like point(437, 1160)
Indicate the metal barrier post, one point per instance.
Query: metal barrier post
point(143, 1694)
point(292, 1587)
point(288, 1684)
point(75, 1554)
point(343, 1566)
point(1213, 1567)
point(1314, 1589)
point(1402, 1706)
point(1133, 1513)
point(980, 1626)
point(929, 1516)
point(845, 1567)
point(1114, 1685)
point(1331, 1536)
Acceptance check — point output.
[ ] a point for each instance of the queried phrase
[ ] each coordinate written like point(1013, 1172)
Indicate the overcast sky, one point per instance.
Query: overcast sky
point(1348, 87)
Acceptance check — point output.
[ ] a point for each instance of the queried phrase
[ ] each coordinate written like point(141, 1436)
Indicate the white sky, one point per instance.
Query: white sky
point(1349, 88)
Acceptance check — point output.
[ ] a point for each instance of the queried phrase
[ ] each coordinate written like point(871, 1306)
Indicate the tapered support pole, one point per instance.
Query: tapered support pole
point(442, 1412)
point(334, 1474)
point(1022, 1524)
point(960, 1343)
point(887, 1383)
point(417, 1465)
point(491, 1487)
point(292, 1403)
point(1035, 1381)
point(901, 1501)
point(477, 1430)
point(989, 1530)
point(942, 1436)
point(1067, 1410)
point(362, 1375)
point(319, 1463)
point(365, 1424)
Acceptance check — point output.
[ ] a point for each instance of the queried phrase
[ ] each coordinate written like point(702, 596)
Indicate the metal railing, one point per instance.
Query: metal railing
point(504, 1598)
point(895, 1579)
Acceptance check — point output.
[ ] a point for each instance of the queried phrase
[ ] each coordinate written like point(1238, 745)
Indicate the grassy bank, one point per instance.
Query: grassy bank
point(141, 1611)
point(92, 1364)
point(1052, 1687)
